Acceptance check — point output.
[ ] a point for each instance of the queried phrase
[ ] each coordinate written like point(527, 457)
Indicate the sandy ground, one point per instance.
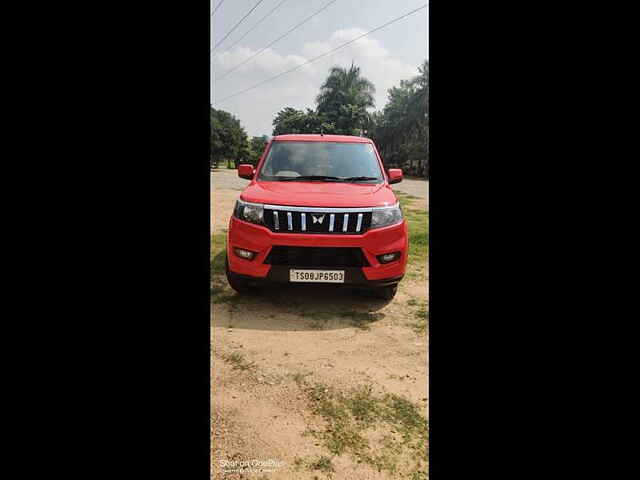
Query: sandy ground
point(339, 338)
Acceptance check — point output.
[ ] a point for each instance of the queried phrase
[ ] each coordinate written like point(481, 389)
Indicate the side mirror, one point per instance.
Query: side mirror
point(246, 171)
point(395, 175)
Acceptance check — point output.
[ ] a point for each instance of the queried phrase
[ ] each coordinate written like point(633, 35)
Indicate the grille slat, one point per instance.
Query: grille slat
point(299, 221)
point(325, 257)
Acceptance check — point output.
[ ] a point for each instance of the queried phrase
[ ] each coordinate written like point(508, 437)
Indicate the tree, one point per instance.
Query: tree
point(401, 130)
point(228, 139)
point(290, 120)
point(256, 147)
point(342, 107)
point(344, 98)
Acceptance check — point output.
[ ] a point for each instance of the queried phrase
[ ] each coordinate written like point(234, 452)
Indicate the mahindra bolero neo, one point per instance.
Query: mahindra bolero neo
point(318, 209)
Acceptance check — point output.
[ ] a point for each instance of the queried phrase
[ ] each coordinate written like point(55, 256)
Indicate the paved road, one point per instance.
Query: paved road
point(417, 188)
point(227, 178)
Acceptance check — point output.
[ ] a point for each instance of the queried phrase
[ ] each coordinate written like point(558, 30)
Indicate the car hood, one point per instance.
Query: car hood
point(319, 194)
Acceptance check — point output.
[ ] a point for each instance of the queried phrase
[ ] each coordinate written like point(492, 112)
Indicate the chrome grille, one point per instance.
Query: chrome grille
point(341, 221)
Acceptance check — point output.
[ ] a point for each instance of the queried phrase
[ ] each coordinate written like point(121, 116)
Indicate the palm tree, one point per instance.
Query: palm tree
point(344, 98)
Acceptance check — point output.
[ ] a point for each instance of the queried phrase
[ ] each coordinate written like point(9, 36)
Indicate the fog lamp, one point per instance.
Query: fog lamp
point(388, 257)
point(246, 254)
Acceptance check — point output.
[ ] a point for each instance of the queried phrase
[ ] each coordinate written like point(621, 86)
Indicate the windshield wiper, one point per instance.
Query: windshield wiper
point(326, 177)
point(358, 179)
point(309, 177)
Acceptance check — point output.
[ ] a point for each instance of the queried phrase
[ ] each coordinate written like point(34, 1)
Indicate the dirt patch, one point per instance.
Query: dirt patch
point(222, 203)
point(257, 420)
point(284, 420)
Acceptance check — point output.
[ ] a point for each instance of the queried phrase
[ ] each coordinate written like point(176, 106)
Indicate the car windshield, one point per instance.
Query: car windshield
point(324, 161)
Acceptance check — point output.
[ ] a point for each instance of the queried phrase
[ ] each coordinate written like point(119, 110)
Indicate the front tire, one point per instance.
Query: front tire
point(238, 284)
point(386, 293)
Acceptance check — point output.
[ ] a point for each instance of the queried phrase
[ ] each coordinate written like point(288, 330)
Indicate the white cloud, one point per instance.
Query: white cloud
point(257, 108)
point(268, 62)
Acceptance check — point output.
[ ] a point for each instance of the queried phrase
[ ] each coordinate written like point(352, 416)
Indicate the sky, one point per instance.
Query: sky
point(385, 57)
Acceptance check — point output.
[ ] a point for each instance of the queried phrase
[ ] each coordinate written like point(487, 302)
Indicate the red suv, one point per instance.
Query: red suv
point(318, 209)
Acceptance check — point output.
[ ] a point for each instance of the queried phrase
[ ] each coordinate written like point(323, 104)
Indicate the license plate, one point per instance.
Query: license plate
point(320, 276)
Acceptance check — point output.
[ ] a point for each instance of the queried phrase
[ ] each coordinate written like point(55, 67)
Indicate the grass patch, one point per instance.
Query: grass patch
point(298, 377)
point(422, 312)
point(418, 224)
point(221, 292)
point(419, 475)
point(352, 417)
point(323, 464)
point(218, 248)
point(420, 317)
point(237, 360)
point(418, 235)
point(298, 463)
point(402, 413)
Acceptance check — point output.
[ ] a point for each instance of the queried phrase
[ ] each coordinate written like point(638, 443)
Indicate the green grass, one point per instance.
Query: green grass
point(237, 360)
point(218, 247)
point(221, 292)
point(298, 463)
point(299, 377)
point(419, 318)
point(323, 464)
point(350, 416)
point(418, 223)
point(402, 413)
point(419, 475)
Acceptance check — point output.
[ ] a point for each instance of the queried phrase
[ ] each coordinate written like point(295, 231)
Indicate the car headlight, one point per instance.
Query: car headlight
point(249, 212)
point(384, 216)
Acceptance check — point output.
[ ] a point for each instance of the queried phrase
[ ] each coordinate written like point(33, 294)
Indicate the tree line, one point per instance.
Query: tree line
point(229, 142)
point(400, 130)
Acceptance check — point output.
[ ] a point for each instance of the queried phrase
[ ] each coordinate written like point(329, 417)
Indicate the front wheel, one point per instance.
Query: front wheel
point(386, 293)
point(238, 284)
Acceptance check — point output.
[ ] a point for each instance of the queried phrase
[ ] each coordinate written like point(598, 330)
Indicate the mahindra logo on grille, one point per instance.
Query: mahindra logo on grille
point(317, 219)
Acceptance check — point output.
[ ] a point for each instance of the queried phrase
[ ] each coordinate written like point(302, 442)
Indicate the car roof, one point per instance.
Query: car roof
point(316, 137)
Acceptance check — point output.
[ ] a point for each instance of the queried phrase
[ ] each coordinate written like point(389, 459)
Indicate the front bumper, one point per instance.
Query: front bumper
point(260, 239)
